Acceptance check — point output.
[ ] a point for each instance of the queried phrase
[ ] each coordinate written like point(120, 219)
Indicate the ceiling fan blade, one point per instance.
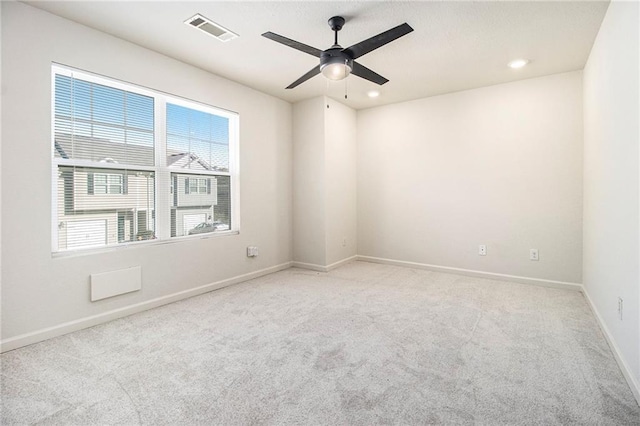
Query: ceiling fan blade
point(312, 73)
point(367, 74)
point(292, 43)
point(377, 41)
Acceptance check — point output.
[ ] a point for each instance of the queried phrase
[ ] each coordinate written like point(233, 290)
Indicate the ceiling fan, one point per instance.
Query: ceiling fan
point(337, 63)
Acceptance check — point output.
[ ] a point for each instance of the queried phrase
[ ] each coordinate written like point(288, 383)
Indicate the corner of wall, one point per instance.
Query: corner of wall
point(309, 223)
point(324, 183)
point(611, 176)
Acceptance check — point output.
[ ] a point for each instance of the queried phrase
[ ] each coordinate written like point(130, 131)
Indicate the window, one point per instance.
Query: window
point(106, 183)
point(131, 164)
point(197, 186)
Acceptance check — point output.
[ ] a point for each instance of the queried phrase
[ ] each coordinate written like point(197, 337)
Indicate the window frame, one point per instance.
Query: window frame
point(162, 172)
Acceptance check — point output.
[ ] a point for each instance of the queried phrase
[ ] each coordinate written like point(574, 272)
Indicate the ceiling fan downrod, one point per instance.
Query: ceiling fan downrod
point(336, 23)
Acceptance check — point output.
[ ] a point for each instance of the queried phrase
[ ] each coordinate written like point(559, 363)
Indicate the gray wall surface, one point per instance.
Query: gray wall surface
point(500, 166)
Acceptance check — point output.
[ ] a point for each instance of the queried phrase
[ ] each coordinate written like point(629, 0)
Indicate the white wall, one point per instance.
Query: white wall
point(340, 181)
point(309, 222)
point(39, 290)
point(500, 166)
point(611, 175)
point(324, 182)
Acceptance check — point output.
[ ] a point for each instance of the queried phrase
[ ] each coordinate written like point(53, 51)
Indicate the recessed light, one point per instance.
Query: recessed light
point(373, 93)
point(518, 63)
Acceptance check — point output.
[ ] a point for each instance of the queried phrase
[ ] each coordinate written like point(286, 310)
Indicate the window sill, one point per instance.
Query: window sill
point(140, 244)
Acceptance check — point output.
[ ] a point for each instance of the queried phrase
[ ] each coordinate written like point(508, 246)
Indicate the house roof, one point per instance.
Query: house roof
point(101, 150)
point(189, 160)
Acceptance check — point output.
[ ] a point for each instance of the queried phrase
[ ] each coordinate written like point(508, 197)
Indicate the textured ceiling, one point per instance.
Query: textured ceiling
point(455, 45)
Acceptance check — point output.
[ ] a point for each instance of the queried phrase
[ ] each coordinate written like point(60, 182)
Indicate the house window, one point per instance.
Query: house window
point(108, 183)
point(197, 186)
point(119, 174)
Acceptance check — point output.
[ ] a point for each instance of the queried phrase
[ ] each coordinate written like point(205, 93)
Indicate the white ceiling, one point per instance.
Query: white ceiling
point(455, 45)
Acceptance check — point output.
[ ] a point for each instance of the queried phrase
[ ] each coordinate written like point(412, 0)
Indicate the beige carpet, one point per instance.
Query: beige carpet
point(364, 344)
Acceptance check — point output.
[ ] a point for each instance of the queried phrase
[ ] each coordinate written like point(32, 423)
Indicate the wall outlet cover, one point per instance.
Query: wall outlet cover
point(533, 255)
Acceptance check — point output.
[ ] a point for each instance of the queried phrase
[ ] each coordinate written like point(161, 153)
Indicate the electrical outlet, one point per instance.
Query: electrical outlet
point(252, 251)
point(533, 254)
point(482, 250)
point(344, 242)
point(620, 308)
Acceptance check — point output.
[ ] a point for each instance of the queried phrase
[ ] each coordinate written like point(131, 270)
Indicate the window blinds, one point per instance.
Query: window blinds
point(102, 124)
point(198, 143)
point(103, 149)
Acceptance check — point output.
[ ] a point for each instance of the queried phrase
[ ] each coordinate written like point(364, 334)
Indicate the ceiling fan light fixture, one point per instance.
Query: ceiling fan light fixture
point(336, 69)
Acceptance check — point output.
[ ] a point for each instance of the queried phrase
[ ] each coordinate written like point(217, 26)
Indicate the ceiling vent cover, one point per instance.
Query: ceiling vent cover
point(208, 26)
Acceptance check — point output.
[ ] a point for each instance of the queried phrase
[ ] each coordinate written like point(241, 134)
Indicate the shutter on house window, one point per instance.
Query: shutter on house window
point(90, 183)
point(175, 190)
point(208, 186)
point(125, 183)
point(186, 185)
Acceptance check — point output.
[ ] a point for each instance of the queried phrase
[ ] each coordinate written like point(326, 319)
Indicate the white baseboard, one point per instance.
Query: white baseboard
point(624, 367)
point(321, 268)
point(310, 266)
point(79, 324)
point(478, 274)
point(341, 262)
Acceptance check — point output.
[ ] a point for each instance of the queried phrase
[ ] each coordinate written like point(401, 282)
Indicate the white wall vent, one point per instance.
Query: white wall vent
point(211, 28)
point(114, 283)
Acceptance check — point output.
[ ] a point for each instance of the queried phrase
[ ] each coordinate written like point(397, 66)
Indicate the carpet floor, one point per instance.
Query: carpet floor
point(363, 344)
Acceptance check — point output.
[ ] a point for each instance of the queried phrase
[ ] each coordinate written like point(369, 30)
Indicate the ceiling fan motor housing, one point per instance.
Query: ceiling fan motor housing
point(335, 55)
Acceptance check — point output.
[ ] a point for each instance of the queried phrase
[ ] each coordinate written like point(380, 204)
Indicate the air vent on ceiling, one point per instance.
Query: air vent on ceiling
point(211, 28)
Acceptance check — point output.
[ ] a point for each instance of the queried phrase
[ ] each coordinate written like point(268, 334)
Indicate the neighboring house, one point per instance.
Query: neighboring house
point(104, 207)
point(196, 199)
point(193, 198)
point(99, 207)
